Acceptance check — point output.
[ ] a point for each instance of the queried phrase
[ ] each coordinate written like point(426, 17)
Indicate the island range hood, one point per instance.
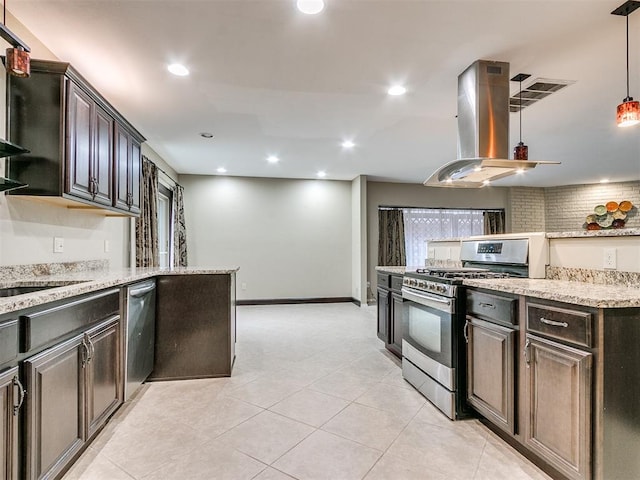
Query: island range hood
point(483, 130)
point(8, 149)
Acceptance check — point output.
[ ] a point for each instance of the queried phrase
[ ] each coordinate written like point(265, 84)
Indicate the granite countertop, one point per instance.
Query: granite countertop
point(615, 232)
point(76, 283)
point(578, 293)
point(397, 270)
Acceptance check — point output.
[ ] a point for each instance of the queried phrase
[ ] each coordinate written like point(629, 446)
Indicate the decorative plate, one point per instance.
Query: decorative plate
point(605, 221)
point(600, 210)
point(625, 206)
point(619, 215)
point(611, 206)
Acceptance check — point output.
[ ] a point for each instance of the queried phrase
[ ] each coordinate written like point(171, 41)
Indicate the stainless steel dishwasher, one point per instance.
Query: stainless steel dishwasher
point(140, 329)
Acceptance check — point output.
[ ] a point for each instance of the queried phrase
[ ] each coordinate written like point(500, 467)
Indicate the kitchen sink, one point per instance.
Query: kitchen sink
point(12, 291)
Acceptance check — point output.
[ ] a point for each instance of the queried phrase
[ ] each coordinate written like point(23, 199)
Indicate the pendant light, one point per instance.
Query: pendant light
point(18, 61)
point(628, 112)
point(520, 151)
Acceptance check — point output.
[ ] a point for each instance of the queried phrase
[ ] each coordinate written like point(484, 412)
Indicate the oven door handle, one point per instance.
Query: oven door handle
point(444, 304)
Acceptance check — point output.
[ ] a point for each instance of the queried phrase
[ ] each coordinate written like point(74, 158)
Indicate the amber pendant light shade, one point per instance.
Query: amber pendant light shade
point(18, 62)
point(628, 113)
point(521, 152)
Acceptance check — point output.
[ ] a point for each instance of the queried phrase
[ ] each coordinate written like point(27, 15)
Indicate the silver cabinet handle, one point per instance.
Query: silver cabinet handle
point(22, 392)
point(487, 305)
point(465, 331)
point(526, 352)
point(86, 353)
point(92, 350)
point(553, 323)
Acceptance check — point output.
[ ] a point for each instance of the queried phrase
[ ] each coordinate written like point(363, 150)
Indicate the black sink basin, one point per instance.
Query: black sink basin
point(12, 291)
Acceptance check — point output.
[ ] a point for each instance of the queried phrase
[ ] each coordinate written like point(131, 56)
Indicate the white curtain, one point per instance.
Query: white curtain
point(421, 224)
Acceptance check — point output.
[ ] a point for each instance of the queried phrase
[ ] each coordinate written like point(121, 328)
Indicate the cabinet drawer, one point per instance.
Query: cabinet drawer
point(54, 323)
point(383, 280)
point(492, 307)
point(8, 341)
point(396, 282)
point(572, 326)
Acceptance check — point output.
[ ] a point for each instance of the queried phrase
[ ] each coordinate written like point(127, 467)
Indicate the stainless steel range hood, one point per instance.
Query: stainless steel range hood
point(483, 130)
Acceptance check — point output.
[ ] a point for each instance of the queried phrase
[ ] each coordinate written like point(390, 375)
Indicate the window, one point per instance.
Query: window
point(422, 224)
point(165, 215)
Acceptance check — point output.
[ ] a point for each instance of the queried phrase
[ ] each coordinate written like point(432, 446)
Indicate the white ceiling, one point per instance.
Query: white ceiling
point(267, 79)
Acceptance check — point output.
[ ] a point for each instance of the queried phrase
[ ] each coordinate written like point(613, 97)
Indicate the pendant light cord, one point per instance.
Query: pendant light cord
point(520, 111)
point(627, 57)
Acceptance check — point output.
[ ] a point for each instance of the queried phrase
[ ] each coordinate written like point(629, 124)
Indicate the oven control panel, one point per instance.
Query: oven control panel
point(429, 286)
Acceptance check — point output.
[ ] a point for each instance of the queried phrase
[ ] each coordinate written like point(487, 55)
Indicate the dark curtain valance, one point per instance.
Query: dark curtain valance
point(493, 222)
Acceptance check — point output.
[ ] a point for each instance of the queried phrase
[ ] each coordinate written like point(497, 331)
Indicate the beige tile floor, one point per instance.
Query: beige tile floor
point(314, 395)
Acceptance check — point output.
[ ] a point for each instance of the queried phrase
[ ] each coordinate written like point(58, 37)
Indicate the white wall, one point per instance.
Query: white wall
point(359, 239)
point(290, 238)
point(588, 253)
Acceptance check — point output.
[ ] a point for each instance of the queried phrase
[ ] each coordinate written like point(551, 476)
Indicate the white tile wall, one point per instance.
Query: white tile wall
point(527, 209)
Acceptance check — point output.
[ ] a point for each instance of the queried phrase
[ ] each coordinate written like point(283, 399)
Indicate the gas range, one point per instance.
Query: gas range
point(444, 281)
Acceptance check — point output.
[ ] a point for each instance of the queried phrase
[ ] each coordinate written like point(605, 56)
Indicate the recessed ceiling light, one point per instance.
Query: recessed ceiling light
point(179, 70)
point(520, 170)
point(272, 159)
point(348, 144)
point(604, 180)
point(477, 168)
point(397, 90)
point(322, 174)
point(486, 182)
point(449, 180)
point(206, 135)
point(310, 7)
point(221, 170)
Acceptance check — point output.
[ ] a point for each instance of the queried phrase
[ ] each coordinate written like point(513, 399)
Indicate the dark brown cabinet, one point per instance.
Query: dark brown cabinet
point(9, 407)
point(104, 390)
point(81, 149)
point(390, 321)
point(383, 314)
point(491, 371)
point(55, 383)
point(127, 171)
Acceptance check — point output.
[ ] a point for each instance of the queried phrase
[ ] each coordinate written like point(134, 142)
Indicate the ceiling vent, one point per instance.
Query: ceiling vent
point(538, 89)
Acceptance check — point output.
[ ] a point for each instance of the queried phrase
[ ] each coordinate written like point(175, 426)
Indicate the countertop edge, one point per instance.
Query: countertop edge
point(79, 283)
point(577, 293)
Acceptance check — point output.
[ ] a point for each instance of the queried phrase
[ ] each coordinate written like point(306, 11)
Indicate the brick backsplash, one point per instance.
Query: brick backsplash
point(567, 207)
point(561, 209)
point(527, 209)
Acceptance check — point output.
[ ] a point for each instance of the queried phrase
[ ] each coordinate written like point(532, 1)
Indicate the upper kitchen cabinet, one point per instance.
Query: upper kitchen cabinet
point(81, 149)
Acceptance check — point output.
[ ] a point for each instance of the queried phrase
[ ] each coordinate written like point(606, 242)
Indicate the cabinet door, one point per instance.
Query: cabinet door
point(135, 176)
point(78, 179)
point(396, 324)
point(102, 164)
point(490, 371)
point(558, 385)
point(104, 393)
point(55, 408)
point(8, 425)
point(122, 172)
point(383, 315)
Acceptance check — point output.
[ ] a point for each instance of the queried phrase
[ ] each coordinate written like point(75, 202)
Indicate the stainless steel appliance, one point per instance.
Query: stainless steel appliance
point(433, 348)
point(140, 334)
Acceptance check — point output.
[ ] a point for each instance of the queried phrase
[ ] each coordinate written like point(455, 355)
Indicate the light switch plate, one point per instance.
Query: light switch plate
point(58, 244)
point(106, 246)
point(610, 260)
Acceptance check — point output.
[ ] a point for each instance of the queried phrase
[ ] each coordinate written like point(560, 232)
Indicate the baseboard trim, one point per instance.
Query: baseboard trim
point(289, 301)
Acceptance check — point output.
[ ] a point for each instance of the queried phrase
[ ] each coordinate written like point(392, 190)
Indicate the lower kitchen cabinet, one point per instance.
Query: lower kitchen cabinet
point(55, 383)
point(491, 371)
point(390, 321)
point(396, 325)
point(558, 390)
point(9, 405)
point(383, 314)
point(73, 388)
point(104, 388)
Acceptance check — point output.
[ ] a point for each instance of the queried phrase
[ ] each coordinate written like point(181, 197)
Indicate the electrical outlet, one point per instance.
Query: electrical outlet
point(58, 244)
point(106, 246)
point(610, 260)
